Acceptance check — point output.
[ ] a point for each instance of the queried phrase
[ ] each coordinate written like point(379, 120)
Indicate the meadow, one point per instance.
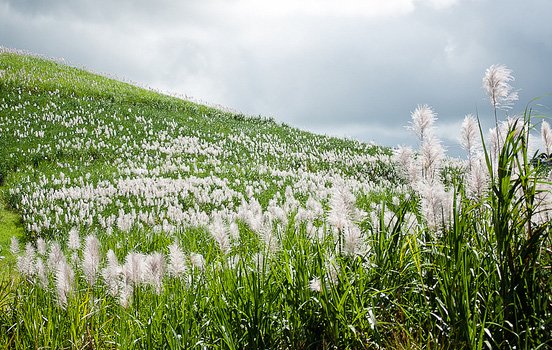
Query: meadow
point(131, 219)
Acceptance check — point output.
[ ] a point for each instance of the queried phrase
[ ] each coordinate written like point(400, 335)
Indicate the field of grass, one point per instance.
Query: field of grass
point(146, 221)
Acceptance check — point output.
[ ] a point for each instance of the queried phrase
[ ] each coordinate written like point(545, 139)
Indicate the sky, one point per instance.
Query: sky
point(349, 68)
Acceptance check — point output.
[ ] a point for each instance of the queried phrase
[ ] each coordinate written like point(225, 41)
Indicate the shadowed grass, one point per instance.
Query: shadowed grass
point(9, 227)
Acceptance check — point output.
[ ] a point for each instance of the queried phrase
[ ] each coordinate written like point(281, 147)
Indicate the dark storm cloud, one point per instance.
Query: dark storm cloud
point(355, 68)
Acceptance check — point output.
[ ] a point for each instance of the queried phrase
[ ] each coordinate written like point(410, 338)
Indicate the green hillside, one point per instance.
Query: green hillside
point(59, 120)
point(132, 219)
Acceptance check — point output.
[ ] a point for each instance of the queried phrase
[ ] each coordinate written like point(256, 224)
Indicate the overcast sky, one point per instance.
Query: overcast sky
point(342, 67)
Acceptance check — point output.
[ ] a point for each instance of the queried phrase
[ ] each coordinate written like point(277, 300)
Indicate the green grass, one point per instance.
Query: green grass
point(309, 241)
point(9, 227)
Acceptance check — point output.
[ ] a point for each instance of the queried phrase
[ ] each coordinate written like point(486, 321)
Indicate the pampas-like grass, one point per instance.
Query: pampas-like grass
point(64, 278)
point(496, 83)
point(423, 120)
point(154, 270)
point(469, 137)
point(91, 259)
point(111, 273)
point(177, 266)
point(26, 262)
point(546, 135)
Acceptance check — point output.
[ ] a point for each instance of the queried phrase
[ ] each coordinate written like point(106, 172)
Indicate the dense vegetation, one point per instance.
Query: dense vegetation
point(148, 221)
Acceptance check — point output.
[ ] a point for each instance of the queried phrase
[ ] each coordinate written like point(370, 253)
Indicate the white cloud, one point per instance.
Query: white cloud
point(322, 8)
point(441, 4)
point(366, 131)
point(449, 131)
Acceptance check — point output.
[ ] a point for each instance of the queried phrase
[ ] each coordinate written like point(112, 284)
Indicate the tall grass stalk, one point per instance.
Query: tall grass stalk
point(519, 241)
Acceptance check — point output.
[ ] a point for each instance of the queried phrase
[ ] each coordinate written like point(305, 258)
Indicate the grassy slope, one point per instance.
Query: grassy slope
point(39, 82)
point(40, 100)
point(39, 78)
point(441, 291)
point(48, 76)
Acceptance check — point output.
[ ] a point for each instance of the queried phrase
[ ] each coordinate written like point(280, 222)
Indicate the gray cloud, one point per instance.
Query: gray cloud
point(345, 69)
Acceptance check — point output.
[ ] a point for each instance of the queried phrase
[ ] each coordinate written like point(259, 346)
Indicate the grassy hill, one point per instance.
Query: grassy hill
point(147, 221)
point(61, 121)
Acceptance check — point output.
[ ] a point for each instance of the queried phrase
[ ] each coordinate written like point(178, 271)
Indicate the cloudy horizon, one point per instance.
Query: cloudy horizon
point(347, 68)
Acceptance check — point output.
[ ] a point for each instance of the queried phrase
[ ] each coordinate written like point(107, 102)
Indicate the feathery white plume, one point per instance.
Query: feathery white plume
point(55, 256)
point(341, 205)
point(422, 122)
point(154, 270)
point(41, 274)
point(26, 262)
point(219, 233)
point(496, 84)
point(353, 241)
point(134, 267)
point(546, 135)
point(197, 260)
point(332, 270)
point(436, 203)
point(64, 278)
point(126, 289)
point(41, 246)
point(234, 231)
point(315, 285)
point(404, 155)
point(91, 259)
point(478, 177)
point(432, 154)
point(177, 266)
point(110, 273)
point(469, 136)
point(14, 245)
point(73, 242)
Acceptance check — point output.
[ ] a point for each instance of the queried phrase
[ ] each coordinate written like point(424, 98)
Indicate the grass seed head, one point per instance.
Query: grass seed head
point(91, 259)
point(177, 266)
point(423, 120)
point(496, 83)
point(546, 135)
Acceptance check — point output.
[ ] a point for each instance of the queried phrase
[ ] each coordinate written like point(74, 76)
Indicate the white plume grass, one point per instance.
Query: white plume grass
point(218, 231)
point(73, 241)
point(353, 241)
point(198, 261)
point(55, 256)
point(133, 267)
point(41, 273)
point(91, 259)
point(423, 120)
point(478, 177)
point(111, 272)
point(315, 285)
point(546, 135)
point(64, 278)
point(154, 270)
point(469, 137)
point(14, 245)
point(432, 154)
point(496, 83)
point(41, 246)
point(436, 204)
point(26, 262)
point(177, 266)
